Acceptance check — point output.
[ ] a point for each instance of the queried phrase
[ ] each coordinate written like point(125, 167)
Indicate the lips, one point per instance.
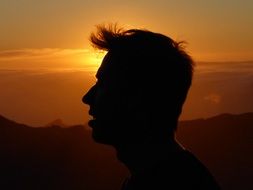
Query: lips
point(91, 123)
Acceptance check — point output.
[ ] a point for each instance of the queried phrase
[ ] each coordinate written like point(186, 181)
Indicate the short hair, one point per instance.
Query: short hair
point(155, 59)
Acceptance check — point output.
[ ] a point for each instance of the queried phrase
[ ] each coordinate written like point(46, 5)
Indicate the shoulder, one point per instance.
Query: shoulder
point(184, 170)
point(178, 171)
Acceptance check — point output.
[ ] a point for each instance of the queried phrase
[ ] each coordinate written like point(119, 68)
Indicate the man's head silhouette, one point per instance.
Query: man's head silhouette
point(141, 86)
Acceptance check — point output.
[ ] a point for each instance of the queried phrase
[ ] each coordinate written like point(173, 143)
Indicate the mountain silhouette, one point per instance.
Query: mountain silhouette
point(224, 143)
point(55, 157)
point(56, 122)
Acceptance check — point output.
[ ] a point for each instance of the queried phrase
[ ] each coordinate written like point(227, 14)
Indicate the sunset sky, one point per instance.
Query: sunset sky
point(215, 29)
point(45, 52)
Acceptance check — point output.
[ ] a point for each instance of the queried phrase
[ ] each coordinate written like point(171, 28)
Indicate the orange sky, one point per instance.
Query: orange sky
point(39, 96)
point(215, 30)
point(47, 63)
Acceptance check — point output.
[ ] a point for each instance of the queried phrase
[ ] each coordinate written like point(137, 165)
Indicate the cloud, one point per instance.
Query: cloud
point(224, 67)
point(15, 54)
point(213, 98)
point(49, 58)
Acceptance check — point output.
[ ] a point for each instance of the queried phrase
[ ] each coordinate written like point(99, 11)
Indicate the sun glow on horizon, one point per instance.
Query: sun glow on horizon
point(49, 58)
point(94, 59)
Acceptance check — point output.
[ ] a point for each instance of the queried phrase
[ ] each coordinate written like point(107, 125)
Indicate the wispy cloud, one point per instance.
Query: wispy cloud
point(224, 67)
point(213, 98)
point(50, 58)
point(17, 54)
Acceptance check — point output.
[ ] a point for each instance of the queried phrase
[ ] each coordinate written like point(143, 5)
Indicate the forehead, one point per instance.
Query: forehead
point(110, 67)
point(103, 67)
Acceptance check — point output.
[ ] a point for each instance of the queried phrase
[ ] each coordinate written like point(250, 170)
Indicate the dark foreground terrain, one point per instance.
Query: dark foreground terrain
point(66, 158)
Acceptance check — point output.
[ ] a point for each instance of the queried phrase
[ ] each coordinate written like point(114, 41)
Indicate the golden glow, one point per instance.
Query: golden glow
point(228, 31)
point(94, 59)
point(84, 59)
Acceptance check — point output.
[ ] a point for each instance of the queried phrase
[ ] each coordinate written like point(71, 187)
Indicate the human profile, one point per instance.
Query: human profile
point(142, 84)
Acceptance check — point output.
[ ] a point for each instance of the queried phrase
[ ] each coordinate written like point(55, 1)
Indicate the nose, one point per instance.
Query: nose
point(89, 96)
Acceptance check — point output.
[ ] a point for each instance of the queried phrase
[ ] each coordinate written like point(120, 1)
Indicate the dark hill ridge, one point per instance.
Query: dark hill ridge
point(67, 158)
point(224, 143)
point(55, 158)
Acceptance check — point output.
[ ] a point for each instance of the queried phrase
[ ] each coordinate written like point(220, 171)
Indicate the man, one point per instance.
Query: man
point(141, 87)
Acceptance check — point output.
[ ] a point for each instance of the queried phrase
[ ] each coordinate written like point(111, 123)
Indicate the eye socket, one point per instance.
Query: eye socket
point(98, 83)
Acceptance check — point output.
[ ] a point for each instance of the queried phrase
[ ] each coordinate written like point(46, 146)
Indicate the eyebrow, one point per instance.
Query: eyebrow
point(98, 74)
point(102, 67)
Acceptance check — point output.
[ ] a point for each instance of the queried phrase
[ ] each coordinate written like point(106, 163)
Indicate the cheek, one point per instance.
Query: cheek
point(108, 104)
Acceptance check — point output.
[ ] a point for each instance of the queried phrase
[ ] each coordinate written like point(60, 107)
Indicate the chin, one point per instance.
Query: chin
point(102, 138)
point(102, 132)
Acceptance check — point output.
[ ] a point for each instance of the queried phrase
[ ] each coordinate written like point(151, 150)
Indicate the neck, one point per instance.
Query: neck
point(141, 156)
